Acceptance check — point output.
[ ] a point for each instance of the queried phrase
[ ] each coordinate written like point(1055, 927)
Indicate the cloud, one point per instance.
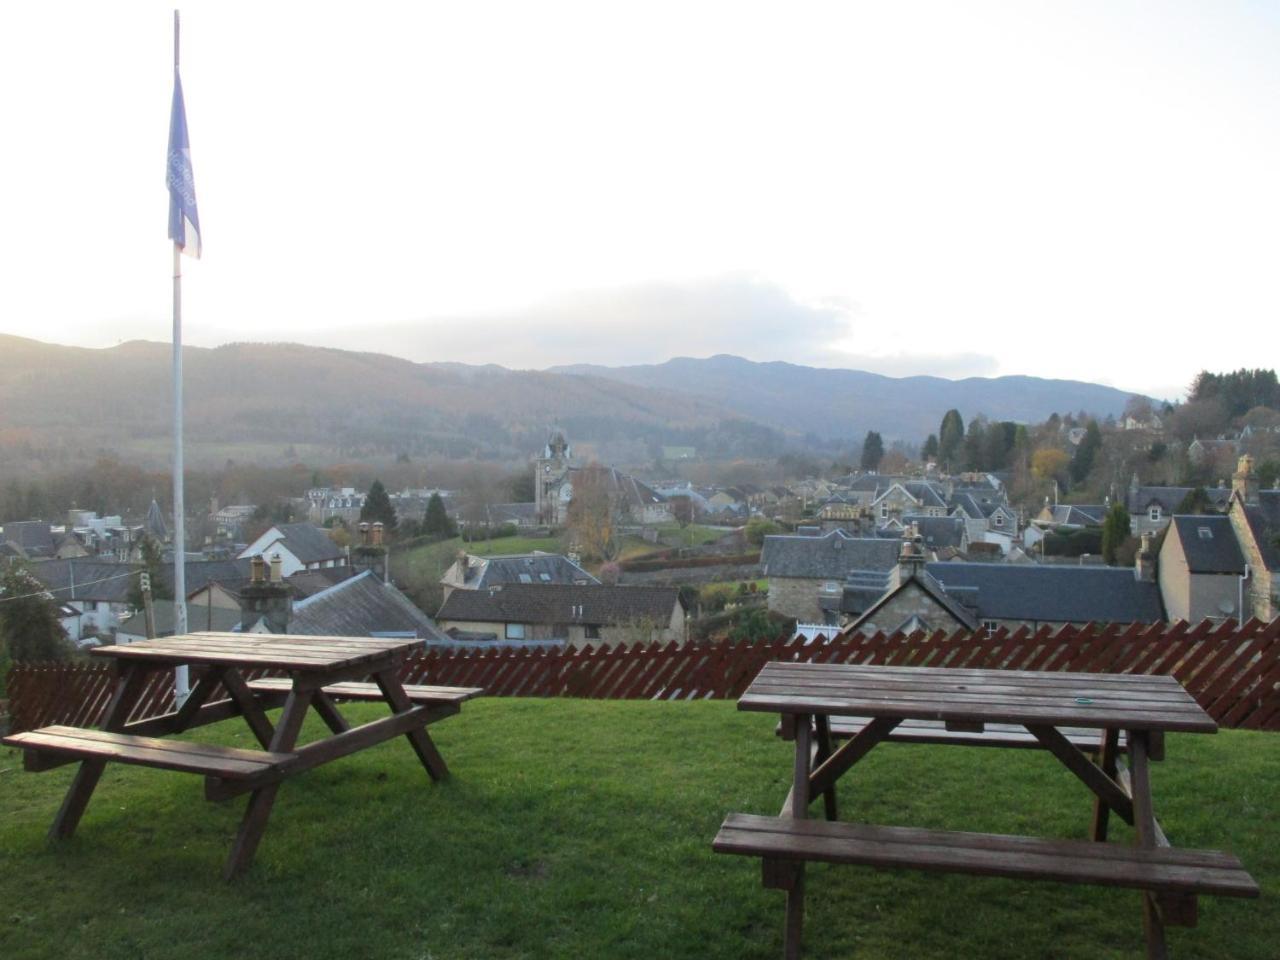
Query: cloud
point(642, 323)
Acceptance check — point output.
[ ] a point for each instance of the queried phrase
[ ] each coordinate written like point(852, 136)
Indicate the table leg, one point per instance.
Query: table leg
point(328, 711)
point(1108, 746)
point(250, 707)
point(256, 814)
point(1144, 822)
point(129, 684)
point(823, 728)
point(392, 688)
point(798, 807)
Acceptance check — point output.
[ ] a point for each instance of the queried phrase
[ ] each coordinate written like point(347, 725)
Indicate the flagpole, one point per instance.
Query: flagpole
point(180, 679)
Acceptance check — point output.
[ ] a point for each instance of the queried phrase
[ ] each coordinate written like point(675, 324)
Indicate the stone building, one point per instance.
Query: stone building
point(1201, 569)
point(1255, 518)
point(807, 574)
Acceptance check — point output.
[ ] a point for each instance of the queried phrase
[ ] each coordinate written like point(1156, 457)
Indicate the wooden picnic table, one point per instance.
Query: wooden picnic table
point(318, 671)
point(983, 708)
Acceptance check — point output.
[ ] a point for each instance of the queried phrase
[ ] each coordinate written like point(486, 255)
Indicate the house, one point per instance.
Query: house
point(480, 573)
point(807, 573)
point(98, 590)
point(229, 522)
point(554, 474)
point(342, 503)
point(576, 614)
point(988, 518)
point(362, 606)
point(913, 600)
point(839, 507)
point(301, 546)
point(1201, 569)
point(938, 534)
point(34, 538)
point(1014, 595)
point(910, 496)
point(1150, 508)
point(133, 627)
point(521, 515)
point(1255, 518)
point(1074, 515)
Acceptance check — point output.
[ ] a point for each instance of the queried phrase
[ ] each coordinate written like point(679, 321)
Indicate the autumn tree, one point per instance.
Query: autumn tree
point(682, 509)
point(1049, 463)
point(591, 516)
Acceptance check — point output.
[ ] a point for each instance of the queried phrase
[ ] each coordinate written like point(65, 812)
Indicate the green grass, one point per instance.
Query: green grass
point(581, 828)
point(417, 569)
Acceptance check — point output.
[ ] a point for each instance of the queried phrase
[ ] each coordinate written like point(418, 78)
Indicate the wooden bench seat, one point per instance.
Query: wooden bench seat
point(992, 735)
point(230, 763)
point(1164, 870)
point(353, 690)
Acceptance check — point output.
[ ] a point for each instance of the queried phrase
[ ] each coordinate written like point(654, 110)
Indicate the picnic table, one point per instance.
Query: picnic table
point(1085, 720)
point(317, 672)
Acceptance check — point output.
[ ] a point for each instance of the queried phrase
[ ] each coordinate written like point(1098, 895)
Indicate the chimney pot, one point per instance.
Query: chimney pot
point(377, 534)
point(277, 568)
point(257, 569)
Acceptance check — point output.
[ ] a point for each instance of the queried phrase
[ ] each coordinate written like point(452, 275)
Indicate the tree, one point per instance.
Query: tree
point(591, 516)
point(1087, 453)
point(758, 528)
point(872, 451)
point(683, 509)
point(29, 627)
point(1197, 501)
point(1115, 531)
point(153, 563)
point(1049, 463)
point(930, 449)
point(436, 522)
point(950, 438)
point(377, 507)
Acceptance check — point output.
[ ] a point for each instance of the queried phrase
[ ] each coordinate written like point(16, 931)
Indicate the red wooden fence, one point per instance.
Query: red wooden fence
point(1232, 670)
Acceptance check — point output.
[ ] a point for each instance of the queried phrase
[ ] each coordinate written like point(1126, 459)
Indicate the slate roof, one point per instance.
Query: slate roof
point(544, 568)
point(558, 604)
point(1060, 594)
point(155, 525)
point(830, 557)
point(307, 542)
point(85, 579)
point(200, 573)
point(1264, 523)
point(361, 606)
point(924, 493)
point(1079, 514)
point(221, 619)
point(936, 532)
point(1141, 499)
point(307, 583)
point(35, 537)
point(1209, 543)
point(930, 585)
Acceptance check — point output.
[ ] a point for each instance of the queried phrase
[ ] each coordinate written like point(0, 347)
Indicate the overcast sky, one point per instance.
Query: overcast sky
point(1079, 190)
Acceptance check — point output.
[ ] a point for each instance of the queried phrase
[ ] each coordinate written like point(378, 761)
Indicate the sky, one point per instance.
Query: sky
point(1082, 190)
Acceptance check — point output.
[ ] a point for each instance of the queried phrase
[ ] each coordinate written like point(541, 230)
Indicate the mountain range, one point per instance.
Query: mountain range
point(261, 402)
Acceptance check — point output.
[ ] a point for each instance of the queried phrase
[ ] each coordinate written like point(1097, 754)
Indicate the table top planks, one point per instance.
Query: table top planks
point(1092, 700)
point(281, 651)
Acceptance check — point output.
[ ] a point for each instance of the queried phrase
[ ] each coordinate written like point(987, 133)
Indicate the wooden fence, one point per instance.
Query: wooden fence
point(1232, 670)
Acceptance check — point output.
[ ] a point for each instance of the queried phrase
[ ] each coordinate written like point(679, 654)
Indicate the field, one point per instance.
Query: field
point(582, 829)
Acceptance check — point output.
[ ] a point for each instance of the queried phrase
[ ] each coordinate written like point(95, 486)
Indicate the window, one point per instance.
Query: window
point(515, 631)
point(1205, 533)
point(884, 511)
point(544, 577)
point(525, 578)
point(593, 631)
point(831, 587)
point(1154, 514)
point(999, 519)
point(990, 625)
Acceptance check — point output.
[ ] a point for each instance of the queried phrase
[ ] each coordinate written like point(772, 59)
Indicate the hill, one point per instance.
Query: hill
point(847, 403)
point(276, 402)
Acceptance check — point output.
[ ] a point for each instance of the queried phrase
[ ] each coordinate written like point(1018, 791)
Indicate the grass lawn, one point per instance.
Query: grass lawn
point(583, 829)
point(417, 570)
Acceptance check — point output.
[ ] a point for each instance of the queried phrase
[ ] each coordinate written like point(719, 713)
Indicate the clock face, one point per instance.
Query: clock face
point(546, 468)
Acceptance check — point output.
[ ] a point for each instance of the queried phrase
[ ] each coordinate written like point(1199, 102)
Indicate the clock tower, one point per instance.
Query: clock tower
point(551, 472)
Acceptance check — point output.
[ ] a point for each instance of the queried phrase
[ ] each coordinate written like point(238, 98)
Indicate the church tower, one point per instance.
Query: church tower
point(551, 470)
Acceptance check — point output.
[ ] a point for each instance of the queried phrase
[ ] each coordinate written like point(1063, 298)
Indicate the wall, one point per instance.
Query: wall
point(796, 597)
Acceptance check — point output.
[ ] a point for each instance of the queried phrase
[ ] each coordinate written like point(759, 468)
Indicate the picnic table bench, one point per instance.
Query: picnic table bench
point(867, 705)
point(321, 670)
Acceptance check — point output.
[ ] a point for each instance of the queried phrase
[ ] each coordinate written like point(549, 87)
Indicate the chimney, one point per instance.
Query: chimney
point(1144, 564)
point(364, 534)
point(270, 601)
point(1244, 481)
point(464, 566)
point(911, 557)
point(377, 533)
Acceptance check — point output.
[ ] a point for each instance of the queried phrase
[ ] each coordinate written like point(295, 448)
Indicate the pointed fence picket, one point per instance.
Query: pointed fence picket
point(1233, 670)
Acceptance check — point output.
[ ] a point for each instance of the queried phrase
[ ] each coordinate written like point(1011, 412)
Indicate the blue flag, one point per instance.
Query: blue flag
point(184, 221)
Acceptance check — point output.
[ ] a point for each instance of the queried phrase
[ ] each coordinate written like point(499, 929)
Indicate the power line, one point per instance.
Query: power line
point(71, 587)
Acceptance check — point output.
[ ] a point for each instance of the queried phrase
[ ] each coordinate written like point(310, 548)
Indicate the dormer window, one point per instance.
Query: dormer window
point(1154, 514)
point(999, 519)
point(884, 511)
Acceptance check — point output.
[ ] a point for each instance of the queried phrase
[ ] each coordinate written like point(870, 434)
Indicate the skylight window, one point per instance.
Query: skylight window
point(1205, 533)
point(525, 578)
